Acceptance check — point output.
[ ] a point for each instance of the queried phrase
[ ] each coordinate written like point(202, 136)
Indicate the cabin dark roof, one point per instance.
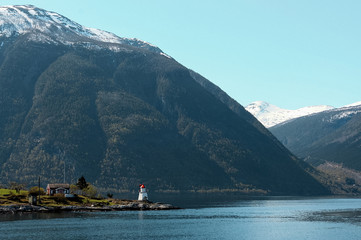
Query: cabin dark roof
point(59, 185)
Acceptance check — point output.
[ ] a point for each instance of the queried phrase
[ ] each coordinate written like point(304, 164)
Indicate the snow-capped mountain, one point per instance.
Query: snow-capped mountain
point(353, 104)
point(333, 136)
point(50, 27)
point(270, 115)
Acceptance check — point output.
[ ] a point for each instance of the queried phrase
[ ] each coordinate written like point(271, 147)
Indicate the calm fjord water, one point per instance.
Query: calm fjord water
point(245, 219)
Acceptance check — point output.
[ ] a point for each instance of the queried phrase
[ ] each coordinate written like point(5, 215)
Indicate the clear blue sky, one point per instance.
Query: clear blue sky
point(291, 53)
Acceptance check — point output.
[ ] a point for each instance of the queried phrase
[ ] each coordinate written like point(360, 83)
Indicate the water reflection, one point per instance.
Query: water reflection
point(275, 218)
point(38, 216)
point(140, 215)
point(344, 216)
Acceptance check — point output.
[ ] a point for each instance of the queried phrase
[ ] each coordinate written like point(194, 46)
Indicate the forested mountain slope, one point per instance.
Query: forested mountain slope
point(121, 112)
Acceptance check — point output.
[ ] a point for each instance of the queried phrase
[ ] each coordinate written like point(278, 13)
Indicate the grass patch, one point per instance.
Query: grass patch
point(9, 197)
point(9, 191)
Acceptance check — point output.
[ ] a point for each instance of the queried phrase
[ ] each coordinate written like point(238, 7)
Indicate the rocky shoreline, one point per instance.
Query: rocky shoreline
point(132, 206)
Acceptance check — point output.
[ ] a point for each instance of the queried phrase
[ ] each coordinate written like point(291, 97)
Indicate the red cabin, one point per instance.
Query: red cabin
point(61, 188)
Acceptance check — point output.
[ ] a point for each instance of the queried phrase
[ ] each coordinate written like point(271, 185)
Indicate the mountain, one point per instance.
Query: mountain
point(270, 115)
point(52, 28)
point(329, 136)
point(121, 112)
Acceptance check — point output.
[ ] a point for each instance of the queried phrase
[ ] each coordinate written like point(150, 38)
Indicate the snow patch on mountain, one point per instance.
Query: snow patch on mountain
point(50, 27)
point(270, 115)
point(353, 104)
point(341, 115)
point(16, 20)
point(347, 111)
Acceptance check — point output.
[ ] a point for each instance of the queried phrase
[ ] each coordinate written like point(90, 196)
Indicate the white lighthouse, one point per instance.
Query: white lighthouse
point(143, 195)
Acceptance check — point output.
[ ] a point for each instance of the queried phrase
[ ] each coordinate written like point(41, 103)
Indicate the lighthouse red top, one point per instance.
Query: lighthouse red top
point(141, 186)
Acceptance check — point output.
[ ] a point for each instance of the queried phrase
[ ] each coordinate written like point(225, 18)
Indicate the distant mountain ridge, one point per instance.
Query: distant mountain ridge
point(328, 136)
point(270, 115)
point(121, 112)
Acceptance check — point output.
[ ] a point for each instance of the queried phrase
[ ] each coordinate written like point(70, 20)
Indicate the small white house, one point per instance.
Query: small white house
point(143, 195)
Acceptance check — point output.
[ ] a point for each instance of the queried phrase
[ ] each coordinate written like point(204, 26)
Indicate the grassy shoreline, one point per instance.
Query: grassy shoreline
point(17, 202)
point(11, 197)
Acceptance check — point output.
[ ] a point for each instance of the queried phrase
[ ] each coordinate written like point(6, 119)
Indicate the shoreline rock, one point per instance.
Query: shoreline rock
point(133, 206)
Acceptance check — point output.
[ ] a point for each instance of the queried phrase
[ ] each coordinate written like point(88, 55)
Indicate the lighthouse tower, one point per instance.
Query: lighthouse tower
point(143, 195)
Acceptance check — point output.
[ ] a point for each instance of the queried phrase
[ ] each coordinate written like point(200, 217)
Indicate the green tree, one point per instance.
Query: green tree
point(90, 191)
point(74, 189)
point(35, 191)
point(16, 186)
point(82, 183)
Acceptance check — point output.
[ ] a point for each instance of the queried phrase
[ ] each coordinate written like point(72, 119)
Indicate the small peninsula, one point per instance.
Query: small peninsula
point(13, 201)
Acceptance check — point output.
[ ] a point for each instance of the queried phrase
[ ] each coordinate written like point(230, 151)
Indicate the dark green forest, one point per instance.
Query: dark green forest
point(129, 117)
